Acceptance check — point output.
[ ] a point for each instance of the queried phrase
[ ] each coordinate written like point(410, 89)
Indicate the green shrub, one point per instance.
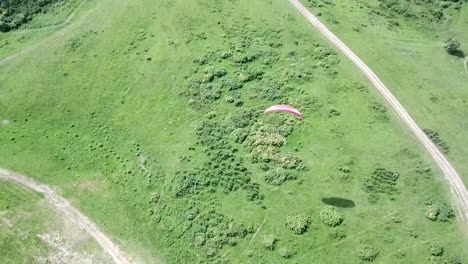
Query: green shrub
point(298, 222)
point(337, 234)
point(231, 84)
point(367, 253)
point(432, 212)
point(452, 45)
point(381, 181)
point(330, 216)
point(455, 260)
point(286, 252)
point(435, 248)
point(269, 242)
point(278, 176)
point(439, 211)
point(435, 138)
point(219, 72)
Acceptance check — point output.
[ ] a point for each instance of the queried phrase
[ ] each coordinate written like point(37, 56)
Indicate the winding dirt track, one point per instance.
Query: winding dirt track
point(452, 177)
point(64, 207)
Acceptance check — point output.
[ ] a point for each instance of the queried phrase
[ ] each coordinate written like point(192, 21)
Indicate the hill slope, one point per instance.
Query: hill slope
point(149, 119)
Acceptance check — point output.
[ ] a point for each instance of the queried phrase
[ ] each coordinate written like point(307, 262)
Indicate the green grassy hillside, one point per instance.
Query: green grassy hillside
point(148, 117)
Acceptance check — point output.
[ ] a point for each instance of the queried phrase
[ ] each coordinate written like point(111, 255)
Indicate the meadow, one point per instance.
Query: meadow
point(148, 117)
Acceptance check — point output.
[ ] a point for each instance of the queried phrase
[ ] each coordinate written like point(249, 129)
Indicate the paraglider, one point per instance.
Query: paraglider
point(283, 108)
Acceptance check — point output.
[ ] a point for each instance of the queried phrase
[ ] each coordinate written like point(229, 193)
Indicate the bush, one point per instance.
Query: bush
point(439, 211)
point(432, 212)
point(298, 223)
point(452, 45)
point(435, 138)
point(367, 253)
point(269, 241)
point(337, 234)
point(288, 161)
point(286, 252)
point(381, 181)
point(278, 176)
point(330, 216)
point(435, 248)
point(219, 72)
point(455, 260)
point(231, 84)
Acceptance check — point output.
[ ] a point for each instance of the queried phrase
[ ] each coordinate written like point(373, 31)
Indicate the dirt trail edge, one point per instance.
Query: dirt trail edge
point(465, 63)
point(64, 207)
point(452, 177)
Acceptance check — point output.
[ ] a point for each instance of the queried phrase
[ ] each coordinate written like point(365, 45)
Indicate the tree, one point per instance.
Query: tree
point(452, 45)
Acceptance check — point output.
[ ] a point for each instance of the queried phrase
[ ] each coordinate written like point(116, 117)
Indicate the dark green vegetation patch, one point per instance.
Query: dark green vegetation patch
point(435, 138)
point(381, 182)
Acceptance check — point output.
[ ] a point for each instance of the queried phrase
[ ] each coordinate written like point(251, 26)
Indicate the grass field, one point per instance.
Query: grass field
point(148, 118)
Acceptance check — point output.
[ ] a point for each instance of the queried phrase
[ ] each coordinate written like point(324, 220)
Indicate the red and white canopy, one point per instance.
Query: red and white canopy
point(283, 108)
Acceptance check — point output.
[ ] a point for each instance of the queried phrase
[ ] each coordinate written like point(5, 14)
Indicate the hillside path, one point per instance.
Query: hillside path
point(63, 206)
point(452, 177)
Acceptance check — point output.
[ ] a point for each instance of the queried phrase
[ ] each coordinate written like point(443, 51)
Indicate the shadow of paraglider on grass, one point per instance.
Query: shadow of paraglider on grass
point(339, 202)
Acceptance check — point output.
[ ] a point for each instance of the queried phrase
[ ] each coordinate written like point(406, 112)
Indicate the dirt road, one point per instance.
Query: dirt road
point(69, 212)
point(453, 178)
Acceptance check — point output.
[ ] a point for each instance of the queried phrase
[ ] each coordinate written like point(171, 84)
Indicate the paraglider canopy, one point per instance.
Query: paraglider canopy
point(283, 108)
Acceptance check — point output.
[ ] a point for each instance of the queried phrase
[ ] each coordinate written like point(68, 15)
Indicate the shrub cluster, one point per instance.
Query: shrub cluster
point(435, 137)
point(223, 169)
point(212, 230)
point(435, 248)
point(337, 234)
point(278, 176)
point(439, 211)
point(428, 11)
point(381, 181)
